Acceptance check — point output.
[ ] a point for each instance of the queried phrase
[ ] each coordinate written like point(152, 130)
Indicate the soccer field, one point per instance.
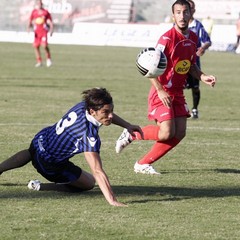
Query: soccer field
point(197, 196)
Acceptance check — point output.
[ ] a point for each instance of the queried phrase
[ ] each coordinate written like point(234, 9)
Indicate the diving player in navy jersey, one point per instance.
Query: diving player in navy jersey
point(76, 132)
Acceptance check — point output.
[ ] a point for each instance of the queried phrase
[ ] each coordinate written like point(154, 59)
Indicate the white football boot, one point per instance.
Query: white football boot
point(34, 185)
point(48, 62)
point(145, 169)
point(38, 64)
point(124, 140)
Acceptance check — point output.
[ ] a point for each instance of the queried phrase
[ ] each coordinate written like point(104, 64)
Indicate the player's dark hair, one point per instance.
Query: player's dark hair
point(181, 2)
point(96, 98)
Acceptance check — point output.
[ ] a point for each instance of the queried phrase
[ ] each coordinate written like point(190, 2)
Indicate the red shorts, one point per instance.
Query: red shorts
point(40, 38)
point(179, 109)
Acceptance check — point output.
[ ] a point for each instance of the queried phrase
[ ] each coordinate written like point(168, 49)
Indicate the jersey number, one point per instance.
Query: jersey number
point(64, 123)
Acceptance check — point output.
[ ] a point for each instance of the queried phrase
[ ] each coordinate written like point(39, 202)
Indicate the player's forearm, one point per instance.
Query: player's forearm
point(196, 72)
point(29, 26)
point(119, 121)
point(94, 161)
point(105, 187)
point(156, 84)
point(51, 28)
point(205, 46)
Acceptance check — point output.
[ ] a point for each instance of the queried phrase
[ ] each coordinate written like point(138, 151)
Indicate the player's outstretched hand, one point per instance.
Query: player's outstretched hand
point(118, 204)
point(135, 128)
point(209, 80)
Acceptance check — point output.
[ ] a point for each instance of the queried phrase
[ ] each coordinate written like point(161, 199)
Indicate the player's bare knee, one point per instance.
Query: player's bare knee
point(165, 135)
point(89, 185)
point(92, 182)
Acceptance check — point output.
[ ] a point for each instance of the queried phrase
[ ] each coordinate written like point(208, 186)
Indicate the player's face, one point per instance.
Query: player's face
point(39, 4)
point(181, 16)
point(104, 115)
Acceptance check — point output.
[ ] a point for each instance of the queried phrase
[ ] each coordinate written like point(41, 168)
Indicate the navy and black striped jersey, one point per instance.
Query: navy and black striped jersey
point(203, 37)
point(74, 133)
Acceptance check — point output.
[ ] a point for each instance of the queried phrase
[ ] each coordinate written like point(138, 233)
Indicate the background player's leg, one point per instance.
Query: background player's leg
point(38, 56)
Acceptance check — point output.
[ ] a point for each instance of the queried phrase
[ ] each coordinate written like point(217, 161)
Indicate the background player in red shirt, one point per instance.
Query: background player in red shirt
point(166, 101)
point(41, 21)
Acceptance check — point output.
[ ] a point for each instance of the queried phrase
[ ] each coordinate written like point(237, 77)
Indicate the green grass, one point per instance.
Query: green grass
point(197, 195)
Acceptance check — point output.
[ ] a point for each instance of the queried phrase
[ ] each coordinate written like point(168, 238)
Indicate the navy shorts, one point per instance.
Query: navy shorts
point(192, 82)
point(64, 172)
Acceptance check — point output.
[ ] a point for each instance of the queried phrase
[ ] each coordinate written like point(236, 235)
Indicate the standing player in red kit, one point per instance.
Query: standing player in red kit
point(166, 101)
point(41, 21)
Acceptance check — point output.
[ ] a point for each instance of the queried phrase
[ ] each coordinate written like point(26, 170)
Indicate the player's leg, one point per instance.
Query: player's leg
point(175, 133)
point(165, 141)
point(36, 45)
point(190, 84)
point(196, 98)
point(16, 161)
point(38, 54)
point(238, 41)
point(44, 43)
point(180, 126)
point(63, 176)
point(160, 148)
point(48, 56)
point(162, 132)
point(86, 181)
point(47, 51)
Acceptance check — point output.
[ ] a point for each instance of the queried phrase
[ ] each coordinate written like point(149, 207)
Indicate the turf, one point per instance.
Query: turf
point(195, 197)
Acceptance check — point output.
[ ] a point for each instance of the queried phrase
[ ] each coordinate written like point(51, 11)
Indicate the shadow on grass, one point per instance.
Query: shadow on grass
point(218, 170)
point(146, 193)
point(158, 194)
point(228, 171)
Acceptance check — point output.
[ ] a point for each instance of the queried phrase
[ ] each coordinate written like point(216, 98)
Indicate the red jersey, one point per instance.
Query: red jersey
point(39, 18)
point(181, 54)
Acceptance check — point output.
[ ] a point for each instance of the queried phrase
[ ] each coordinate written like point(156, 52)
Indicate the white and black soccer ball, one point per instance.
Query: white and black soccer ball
point(151, 62)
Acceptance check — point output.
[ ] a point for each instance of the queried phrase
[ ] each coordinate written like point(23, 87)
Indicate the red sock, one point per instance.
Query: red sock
point(150, 132)
point(158, 150)
point(48, 55)
point(39, 59)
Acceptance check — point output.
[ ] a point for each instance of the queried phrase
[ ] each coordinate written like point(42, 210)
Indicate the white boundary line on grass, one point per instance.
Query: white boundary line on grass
point(197, 128)
point(227, 129)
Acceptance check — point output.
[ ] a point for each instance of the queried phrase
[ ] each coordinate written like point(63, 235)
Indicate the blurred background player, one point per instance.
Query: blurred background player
point(238, 35)
point(166, 100)
point(204, 42)
point(41, 21)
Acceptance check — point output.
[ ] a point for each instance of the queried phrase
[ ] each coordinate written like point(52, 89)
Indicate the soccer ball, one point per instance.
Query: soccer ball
point(151, 62)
